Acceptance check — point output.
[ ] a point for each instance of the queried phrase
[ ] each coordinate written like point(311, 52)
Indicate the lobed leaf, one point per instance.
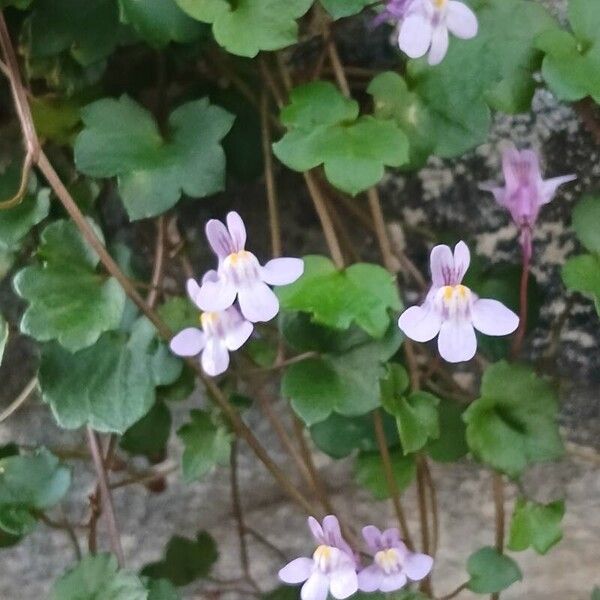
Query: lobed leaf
point(536, 525)
point(491, 572)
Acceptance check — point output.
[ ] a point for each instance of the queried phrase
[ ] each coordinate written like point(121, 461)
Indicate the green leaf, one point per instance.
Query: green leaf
point(56, 26)
point(185, 560)
point(344, 8)
point(29, 483)
point(451, 444)
point(248, 26)
point(596, 593)
point(513, 424)
point(361, 294)
point(111, 385)
point(324, 128)
point(122, 139)
point(491, 572)
point(179, 313)
point(369, 472)
point(572, 62)
point(16, 222)
point(159, 21)
point(55, 117)
point(3, 336)
point(417, 419)
point(97, 577)
point(339, 436)
point(206, 445)
point(586, 221)
point(149, 436)
point(536, 525)
point(68, 300)
point(582, 274)
point(162, 589)
point(346, 382)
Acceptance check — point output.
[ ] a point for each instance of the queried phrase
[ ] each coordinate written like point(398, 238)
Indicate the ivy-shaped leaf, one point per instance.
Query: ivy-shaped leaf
point(346, 382)
point(121, 138)
point(362, 294)
point(160, 21)
point(27, 484)
point(185, 560)
point(536, 525)
point(97, 577)
point(571, 67)
point(513, 424)
point(206, 445)
point(149, 436)
point(248, 26)
point(344, 8)
point(161, 589)
point(491, 572)
point(324, 128)
point(111, 385)
point(369, 472)
point(69, 301)
point(451, 445)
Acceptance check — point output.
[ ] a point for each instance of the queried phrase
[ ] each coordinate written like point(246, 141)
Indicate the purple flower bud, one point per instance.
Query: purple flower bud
point(239, 274)
point(393, 563)
point(453, 311)
point(332, 568)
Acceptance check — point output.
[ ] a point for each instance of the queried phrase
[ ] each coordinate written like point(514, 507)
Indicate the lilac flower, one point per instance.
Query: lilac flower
point(452, 310)
point(524, 191)
point(393, 563)
point(332, 568)
point(426, 25)
point(394, 11)
point(221, 333)
point(240, 275)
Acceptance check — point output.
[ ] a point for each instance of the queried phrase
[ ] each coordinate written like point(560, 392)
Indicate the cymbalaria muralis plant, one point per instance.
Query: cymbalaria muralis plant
point(190, 211)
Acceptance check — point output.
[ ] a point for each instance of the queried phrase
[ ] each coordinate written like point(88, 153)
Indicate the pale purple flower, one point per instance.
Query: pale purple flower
point(240, 275)
point(524, 191)
point(393, 563)
point(394, 10)
point(222, 332)
point(452, 311)
point(427, 23)
point(332, 568)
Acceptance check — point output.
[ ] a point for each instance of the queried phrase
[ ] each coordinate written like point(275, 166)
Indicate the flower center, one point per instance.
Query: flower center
point(326, 557)
point(439, 4)
point(241, 268)
point(454, 301)
point(211, 322)
point(389, 561)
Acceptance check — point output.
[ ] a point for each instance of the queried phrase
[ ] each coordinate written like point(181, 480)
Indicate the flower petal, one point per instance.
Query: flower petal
point(369, 579)
point(457, 341)
point(258, 302)
point(439, 45)
point(391, 537)
point(420, 323)
point(520, 168)
point(461, 20)
point(281, 271)
point(192, 287)
point(343, 582)
point(499, 193)
point(297, 571)
point(372, 537)
point(493, 318)
point(391, 583)
point(549, 187)
point(215, 358)
point(417, 566)
point(316, 587)
point(316, 530)
point(237, 231)
point(415, 34)
point(215, 295)
point(219, 239)
point(210, 275)
point(441, 263)
point(188, 342)
point(462, 260)
point(237, 335)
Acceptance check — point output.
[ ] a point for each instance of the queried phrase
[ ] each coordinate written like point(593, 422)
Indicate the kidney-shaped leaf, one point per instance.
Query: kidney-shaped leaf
point(491, 571)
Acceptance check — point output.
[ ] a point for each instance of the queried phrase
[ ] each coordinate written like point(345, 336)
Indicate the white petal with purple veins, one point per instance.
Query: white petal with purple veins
point(316, 587)
point(188, 342)
point(415, 34)
point(457, 341)
point(215, 357)
point(393, 582)
point(215, 295)
point(297, 571)
point(441, 264)
point(420, 324)
point(282, 271)
point(417, 566)
point(369, 579)
point(462, 260)
point(258, 302)
point(493, 318)
point(343, 582)
point(237, 335)
point(219, 239)
point(372, 536)
point(461, 20)
point(237, 230)
point(439, 45)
